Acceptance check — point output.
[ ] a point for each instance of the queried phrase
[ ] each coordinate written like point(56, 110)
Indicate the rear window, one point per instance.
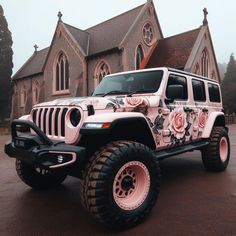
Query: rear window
point(214, 92)
point(199, 93)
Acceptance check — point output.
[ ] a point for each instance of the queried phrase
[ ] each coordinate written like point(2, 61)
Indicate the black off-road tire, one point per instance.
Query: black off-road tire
point(215, 156)
point(98, 190)
point(38, 178)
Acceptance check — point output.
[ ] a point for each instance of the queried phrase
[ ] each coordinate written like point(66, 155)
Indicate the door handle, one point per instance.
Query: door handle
point(187, 109)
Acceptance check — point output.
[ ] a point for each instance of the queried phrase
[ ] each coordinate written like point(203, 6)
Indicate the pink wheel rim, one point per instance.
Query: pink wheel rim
point(223, 149)
point(131, 185)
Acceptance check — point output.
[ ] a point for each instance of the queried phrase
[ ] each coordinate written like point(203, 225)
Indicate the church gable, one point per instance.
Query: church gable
point(64, 71)
point(139, 40)
point(191, 51)
point(64, 36)
point(202, 60)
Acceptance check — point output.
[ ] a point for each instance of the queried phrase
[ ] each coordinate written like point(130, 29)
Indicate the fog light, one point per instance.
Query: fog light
point(60, 159)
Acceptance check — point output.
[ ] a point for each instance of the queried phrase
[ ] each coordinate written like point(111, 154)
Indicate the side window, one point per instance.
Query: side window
point(179, 80)
point(214, 92)
point(199, 93)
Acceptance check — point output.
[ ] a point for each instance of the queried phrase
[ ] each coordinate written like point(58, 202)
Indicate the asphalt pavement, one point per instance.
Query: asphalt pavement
point(191, 202)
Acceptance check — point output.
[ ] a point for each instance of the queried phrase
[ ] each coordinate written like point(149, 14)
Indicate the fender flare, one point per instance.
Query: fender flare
point(210, 123)
point(117, 120)
point(110, 117)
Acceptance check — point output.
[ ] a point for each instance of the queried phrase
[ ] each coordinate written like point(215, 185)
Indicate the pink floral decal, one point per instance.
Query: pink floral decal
point(178, 123)
point(202, 119)
point(137, 104)
point(135, 101)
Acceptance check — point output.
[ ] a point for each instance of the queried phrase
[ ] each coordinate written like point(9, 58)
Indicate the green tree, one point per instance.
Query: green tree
point(6, 66)
point(229, 86)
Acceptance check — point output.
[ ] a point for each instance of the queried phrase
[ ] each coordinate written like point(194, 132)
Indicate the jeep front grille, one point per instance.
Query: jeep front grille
point(51, 120)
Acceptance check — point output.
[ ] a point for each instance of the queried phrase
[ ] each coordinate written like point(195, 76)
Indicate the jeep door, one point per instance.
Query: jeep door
point(201, 108)
point(177, 128)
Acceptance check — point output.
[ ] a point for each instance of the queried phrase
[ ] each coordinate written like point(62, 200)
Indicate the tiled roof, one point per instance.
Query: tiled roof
point(33, 66)
point(173, 51)
point(81, 37)
point(109, 34)
point(106, 35)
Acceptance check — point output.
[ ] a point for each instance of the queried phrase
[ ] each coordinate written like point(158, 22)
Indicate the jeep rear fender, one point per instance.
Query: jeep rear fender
point(215, 119)
point(124, 126)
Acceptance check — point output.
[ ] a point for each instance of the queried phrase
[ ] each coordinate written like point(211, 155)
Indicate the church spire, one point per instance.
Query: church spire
point(59, 15)
point(205, 22)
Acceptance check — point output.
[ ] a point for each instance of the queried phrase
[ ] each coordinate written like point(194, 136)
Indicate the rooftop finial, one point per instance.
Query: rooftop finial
point(36, 48)
point(59, 16)
point(205, 22)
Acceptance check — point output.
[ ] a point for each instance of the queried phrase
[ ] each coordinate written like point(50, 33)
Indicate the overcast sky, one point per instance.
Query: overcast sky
point(33, 22)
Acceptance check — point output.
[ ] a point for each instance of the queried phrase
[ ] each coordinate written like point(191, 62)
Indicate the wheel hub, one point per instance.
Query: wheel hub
point(223, 149)
point(127, 183)
point(131, 185)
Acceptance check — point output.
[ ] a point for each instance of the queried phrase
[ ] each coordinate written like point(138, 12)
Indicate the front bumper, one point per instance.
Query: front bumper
point(38, 149)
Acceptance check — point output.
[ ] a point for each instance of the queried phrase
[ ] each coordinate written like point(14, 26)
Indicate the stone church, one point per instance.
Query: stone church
point(77, 60)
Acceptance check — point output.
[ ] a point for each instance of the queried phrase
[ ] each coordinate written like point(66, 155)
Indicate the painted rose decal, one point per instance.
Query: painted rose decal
point(177, 123)
point(138, 104)
point(202, 119)
point(135, 101)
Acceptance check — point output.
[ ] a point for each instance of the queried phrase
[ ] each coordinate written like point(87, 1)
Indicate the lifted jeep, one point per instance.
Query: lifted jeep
point(113, 140)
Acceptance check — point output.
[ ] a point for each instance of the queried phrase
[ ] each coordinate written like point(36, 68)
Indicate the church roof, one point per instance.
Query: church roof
point(81, 37)
point(173, 51)
point(33, 66)
point(106, 35)
point(109, 34)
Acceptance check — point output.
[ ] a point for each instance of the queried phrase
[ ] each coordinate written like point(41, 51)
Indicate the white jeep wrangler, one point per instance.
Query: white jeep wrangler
point(113, 140)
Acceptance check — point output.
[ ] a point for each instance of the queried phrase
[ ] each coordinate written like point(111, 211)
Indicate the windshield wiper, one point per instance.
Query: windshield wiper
point(114, 92)
point(140, 91)
point(97, 94)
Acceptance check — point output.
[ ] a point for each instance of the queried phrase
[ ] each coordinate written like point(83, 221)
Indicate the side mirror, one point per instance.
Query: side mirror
point(174, 92)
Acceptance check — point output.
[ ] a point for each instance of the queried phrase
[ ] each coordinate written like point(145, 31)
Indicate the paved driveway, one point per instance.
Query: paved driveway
point(191, 202)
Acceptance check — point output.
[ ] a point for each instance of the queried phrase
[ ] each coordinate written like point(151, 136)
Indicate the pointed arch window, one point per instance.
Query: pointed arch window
point(61, 82)
point(139, 57)
point(102, 69)
point(23, 96)
point(36, 88)
point(197, 69)
point(204, 63)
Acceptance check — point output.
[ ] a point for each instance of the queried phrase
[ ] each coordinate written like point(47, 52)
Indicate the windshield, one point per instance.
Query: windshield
point(130, 83)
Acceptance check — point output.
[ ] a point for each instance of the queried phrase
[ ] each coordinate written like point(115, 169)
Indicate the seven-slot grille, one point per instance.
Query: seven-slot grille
point(50, 120)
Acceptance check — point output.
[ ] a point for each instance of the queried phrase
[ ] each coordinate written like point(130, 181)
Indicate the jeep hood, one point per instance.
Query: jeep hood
point(83, 102)
point(119, 103)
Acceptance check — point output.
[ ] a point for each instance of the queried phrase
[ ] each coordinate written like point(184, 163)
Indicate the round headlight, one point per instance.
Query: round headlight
point(75, 117)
